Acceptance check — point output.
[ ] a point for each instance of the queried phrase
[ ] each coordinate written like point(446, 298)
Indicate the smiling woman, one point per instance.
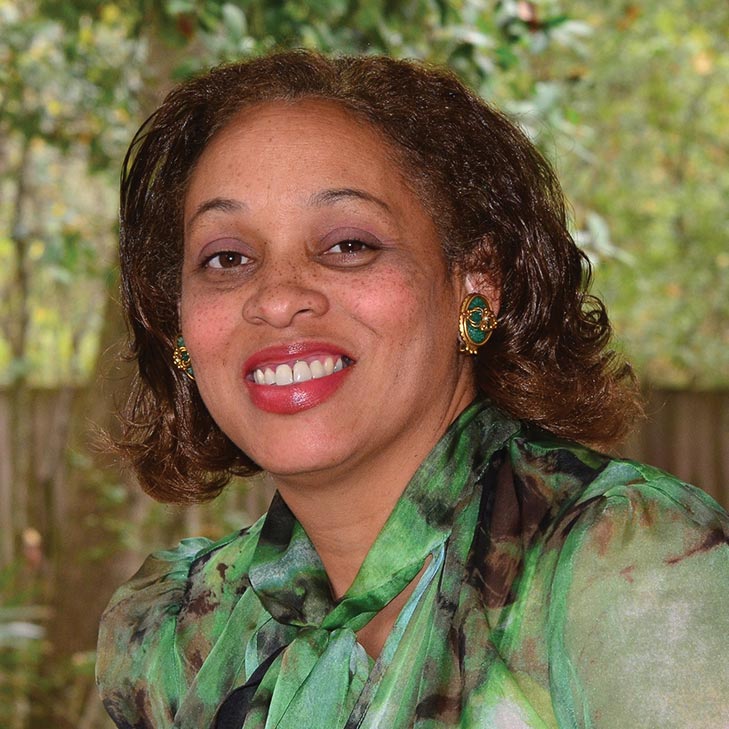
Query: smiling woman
point(354, 274)
point(330, 261)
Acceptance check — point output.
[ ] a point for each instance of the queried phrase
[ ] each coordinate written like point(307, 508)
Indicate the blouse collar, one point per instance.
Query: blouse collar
point(288, 576)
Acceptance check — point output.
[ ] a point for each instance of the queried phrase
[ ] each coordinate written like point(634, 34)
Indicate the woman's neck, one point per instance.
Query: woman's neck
point(343, 523)
point(344, 508)
point(343, 518)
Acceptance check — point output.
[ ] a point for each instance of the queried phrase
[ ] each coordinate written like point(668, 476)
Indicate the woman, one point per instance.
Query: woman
point(355, 275)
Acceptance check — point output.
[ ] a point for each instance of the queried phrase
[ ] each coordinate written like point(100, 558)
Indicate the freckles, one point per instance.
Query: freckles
point(191, 303)
point(389, 294)
point(204, 329)
point(382, 305)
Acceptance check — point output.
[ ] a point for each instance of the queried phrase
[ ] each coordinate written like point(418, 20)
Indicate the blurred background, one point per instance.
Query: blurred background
point(628, 99)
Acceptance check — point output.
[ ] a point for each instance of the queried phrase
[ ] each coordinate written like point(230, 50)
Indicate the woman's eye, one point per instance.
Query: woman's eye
point(350, 252)
point(226, 259)
point(349, 247)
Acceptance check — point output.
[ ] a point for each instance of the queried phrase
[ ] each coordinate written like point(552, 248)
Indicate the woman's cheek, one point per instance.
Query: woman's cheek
point(391, 296)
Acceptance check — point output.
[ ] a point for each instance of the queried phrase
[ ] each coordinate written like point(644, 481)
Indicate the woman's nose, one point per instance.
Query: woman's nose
point(283, 296)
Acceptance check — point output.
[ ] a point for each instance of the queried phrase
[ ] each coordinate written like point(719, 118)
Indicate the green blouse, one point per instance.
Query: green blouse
point(565, 589)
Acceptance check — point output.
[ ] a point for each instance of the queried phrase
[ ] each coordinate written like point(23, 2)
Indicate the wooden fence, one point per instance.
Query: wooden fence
point(687, 433)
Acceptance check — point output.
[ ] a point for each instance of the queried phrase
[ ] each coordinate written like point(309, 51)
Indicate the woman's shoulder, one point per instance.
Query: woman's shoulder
point(637, 605)
point(167, 578)
point(635, 568)
point(632, 517)
point(167, 614)
point(596, 487)
point(568, 505)
point(596, 515)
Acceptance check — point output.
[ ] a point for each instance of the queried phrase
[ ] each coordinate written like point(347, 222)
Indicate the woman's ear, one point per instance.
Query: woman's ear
point(483, 284)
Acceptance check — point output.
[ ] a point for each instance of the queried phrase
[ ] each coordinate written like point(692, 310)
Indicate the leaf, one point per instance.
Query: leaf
point(180, 7)
point(234, 20)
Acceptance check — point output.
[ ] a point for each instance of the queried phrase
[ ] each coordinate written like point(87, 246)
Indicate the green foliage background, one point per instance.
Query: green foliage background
point(652, 161)
point(628, 100)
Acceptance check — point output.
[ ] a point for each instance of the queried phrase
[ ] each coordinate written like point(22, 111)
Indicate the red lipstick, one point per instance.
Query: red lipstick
point(298, 396)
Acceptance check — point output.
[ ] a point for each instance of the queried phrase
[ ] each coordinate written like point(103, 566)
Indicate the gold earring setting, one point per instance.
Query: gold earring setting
point(476, 322)
point(181, 358)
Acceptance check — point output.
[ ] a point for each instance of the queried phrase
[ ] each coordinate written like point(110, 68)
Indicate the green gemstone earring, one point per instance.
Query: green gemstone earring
point(475, 323)
point(181, 358)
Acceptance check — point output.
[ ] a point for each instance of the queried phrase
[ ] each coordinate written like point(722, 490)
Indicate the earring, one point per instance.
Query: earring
point(475, 323)
point(181, 358)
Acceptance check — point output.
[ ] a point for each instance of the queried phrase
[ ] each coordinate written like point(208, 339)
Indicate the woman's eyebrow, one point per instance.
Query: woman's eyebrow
point(324, 197)
point(225, 204)
point(327, 197)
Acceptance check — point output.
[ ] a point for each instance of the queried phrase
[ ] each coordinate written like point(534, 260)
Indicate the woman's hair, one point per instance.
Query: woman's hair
point(499, 210)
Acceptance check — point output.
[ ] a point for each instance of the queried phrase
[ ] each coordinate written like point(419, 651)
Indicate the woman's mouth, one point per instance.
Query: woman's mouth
point(286, 380)
point(299, 370)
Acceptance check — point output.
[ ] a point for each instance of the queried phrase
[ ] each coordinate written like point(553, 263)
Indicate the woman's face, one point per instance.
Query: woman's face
point(316, 303)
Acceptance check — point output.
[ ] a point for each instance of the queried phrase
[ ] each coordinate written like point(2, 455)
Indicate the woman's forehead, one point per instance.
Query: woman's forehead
point(313, 143)
point(309, 108)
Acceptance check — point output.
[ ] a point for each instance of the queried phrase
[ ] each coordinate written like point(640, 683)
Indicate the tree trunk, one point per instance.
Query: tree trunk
point(101, 513)
point(7, 525)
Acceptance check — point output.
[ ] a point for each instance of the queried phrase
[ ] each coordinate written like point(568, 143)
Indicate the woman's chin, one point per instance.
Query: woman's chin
point(300, 466)
point(284, 449)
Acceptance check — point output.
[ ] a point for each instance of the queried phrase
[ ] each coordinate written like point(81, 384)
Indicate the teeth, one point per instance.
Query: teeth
point(302, 371)
point(284, 375)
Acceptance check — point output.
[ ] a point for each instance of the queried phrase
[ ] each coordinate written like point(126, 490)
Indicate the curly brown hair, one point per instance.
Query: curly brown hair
point(500, 212)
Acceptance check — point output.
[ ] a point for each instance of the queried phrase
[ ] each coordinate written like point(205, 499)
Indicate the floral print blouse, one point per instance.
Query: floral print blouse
point(564, 589)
